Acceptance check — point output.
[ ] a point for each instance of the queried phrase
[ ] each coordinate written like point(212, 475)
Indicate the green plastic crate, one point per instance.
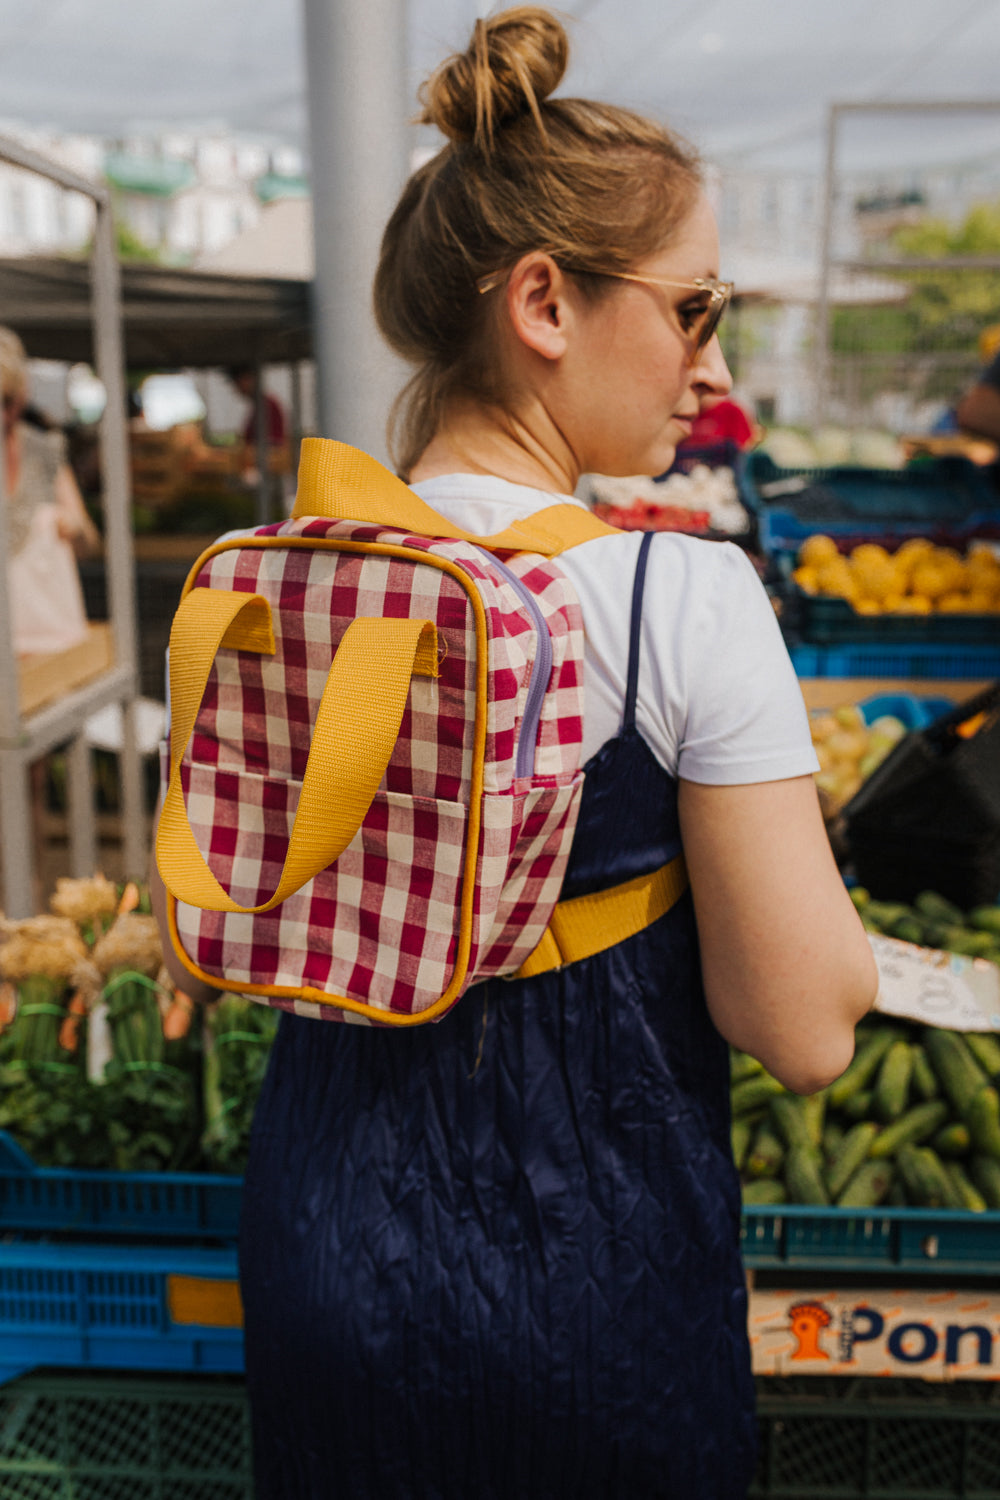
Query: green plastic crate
point(877, 1439)
point(105, 1438)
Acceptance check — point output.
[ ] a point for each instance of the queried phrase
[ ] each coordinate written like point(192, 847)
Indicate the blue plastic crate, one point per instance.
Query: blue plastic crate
point(954, 661)
point(947, 491)
point(113, 1307)
point(50, 1200)
point(910, 710)
point(937, 1242)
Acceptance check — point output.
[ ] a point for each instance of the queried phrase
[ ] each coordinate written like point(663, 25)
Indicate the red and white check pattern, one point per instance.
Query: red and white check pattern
point(381, 925)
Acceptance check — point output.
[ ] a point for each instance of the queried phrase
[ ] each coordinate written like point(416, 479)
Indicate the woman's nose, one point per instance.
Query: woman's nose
point(710, 371)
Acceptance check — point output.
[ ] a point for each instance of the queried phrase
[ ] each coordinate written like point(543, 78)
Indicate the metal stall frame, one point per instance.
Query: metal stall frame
point(828, 263)
point(25, 738)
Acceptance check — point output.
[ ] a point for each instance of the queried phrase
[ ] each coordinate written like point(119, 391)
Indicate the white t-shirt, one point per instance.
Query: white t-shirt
point(718, 701)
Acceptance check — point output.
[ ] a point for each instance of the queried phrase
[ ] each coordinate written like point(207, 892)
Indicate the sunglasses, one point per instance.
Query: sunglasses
point(704, 320)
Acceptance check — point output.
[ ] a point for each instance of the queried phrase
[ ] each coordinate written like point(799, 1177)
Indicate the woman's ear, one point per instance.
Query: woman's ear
point(538, 305)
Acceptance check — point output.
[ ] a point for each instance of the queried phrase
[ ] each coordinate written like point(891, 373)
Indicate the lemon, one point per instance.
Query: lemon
point(930, 579)
point(915, 604)
point(867, 607)
point(807, 579)
point(817, 550)
point(874, 573)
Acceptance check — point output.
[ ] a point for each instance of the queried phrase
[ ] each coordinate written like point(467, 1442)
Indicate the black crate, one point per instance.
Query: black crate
point(928, 818)
point(877, 1439)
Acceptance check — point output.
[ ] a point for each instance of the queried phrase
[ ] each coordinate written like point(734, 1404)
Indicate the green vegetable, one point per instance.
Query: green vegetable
point(753, 1092)
point(740, 1134)
point(239, 1033)
point(766, 1190)
point(930, 904)
point(804, 1177)
point(983, 1119)
point(967, 1196)
point(867, 1187)
point(960, 1074)
point(794, 1126)
point(766, 1154)
point(924, 1078)
point(862, 1067)
point(893, 1082)
point(985, 919)
point(814, 1114)
point(742, 1065)
point(853, 1151)
point(916, 1125)
point(985, 1173)
point(925, 1179)
point(859, 896)
point(858, 1106)
point(833, 1134)
point(985, 1048)
point(908, 929)
point(952, 1140)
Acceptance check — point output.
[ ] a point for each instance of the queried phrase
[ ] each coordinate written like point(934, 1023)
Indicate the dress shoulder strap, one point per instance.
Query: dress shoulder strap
point(635, 632)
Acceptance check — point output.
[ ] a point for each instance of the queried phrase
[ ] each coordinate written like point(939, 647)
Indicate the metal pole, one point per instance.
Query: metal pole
point(261, 437)
point(822, 388)
point(356, 69)
point(109, 361)
point(82, 823)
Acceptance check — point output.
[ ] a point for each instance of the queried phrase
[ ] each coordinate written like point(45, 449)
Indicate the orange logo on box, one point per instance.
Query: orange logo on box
point(807, 1319)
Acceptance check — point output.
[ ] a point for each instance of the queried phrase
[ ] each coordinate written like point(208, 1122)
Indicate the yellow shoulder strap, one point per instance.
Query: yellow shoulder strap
point(344, 484)
point(586, 925)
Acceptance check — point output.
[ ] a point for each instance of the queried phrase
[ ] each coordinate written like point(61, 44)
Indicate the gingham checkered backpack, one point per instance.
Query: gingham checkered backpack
point(374, 770)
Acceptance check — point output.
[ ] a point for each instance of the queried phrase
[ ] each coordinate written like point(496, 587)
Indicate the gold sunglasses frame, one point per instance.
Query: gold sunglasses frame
point(720, 294)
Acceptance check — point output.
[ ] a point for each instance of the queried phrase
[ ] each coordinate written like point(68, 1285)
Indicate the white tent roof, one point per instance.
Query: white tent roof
point(280, 244)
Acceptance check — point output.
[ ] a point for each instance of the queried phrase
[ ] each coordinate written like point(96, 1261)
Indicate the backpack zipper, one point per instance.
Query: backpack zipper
point(541, 671)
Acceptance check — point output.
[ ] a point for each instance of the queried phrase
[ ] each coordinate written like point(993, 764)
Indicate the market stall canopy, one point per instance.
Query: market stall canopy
point(279, 244)
point(173, 318)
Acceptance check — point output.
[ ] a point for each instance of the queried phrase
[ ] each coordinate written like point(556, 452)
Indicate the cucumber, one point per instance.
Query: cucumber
point(742, 1065)
point(766, 1153)
point(924, 1078)
point(985, 1049)
point(789, 1115)
point(916, 1125)
point(985, 1173)
point(862, 897)
point(983, 1120)
point(867, 1187)
point(924, 1177)
point(765, 1190)
point(896, 1197)
point(853, 1151)
point(970, 1197)
point(814, 1113)
point(753, 1092)
point(833, 1134)
point(985, 919)
point(858, 1106)
point(740, 1135)
point(965, 940)
point(952, 1140)
point(908, 929)
point(804, 1177)
point(961, 1076)
point(862, 1066)
point(930, 904)
point(893, 1082)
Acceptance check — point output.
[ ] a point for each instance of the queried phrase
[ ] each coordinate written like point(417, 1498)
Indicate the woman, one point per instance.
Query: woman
point(47, 523)
point(498, 1256)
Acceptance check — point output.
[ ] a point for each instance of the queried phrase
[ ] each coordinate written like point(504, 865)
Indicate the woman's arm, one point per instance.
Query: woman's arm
point(75, 526)
point(787, 966)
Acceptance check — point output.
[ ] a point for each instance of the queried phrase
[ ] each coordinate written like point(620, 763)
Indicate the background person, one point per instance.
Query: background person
point(498, 1256)
point(978, 411)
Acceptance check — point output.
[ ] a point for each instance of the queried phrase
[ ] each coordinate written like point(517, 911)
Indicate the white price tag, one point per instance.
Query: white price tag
point(939, 989)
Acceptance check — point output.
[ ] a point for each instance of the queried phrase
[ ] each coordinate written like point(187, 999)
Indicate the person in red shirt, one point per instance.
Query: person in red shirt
point(244, 378)
point(720, 420)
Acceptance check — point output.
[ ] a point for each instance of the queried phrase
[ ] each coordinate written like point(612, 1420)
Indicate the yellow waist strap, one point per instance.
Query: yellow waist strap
point(588, 924)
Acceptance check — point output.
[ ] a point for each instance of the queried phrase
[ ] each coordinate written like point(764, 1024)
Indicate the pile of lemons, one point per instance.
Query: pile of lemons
point(917, 579)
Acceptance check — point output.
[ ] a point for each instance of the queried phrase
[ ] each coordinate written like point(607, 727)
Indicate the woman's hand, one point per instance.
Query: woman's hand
point(787, 966)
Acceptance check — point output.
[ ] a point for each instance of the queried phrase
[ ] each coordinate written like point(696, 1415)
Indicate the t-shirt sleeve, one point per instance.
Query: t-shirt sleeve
point(744, 719)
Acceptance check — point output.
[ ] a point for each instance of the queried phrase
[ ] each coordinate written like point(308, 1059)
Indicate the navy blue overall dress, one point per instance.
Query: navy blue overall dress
point(496, 1258)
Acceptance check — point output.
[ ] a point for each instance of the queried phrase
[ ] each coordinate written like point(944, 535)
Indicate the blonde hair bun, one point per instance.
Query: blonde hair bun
point(514, 61)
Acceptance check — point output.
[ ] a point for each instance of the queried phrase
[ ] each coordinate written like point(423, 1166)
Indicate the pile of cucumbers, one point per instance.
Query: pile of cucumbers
point(913, 1122)
point(933, 922)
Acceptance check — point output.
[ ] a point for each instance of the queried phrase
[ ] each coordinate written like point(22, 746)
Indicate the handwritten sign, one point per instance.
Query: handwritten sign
point(939, 989)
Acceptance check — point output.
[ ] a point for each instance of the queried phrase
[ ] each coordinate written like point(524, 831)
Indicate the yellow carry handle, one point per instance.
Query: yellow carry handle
point(342, 483)
point(356, 728)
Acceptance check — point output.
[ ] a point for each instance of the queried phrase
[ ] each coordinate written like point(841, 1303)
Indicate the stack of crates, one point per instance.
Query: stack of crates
point(157, 462)
point(949, 500)
point(105, 1272)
